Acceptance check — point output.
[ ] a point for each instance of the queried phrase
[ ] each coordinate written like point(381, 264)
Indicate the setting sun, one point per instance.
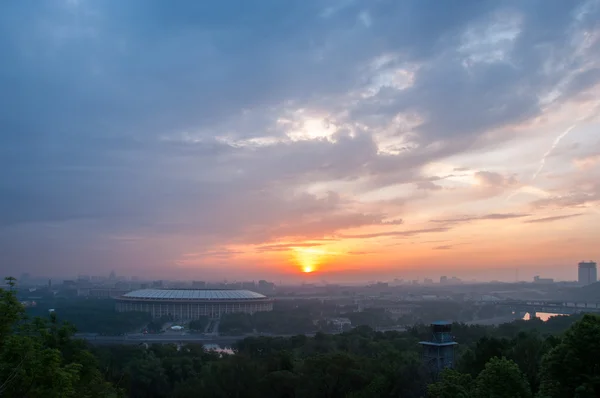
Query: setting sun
point(307, 269)
point(309, 258)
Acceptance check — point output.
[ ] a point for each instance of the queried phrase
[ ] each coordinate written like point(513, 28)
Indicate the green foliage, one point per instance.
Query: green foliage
point(451, 384)
point(371, 317)
point(485, 349)
point(236, 324)
point(11, 311)
point(198, 325)
point(39, 358)
point(92, 315)
point(501, 378)
point(280, 321)
point(572, 368)
point(156, 325)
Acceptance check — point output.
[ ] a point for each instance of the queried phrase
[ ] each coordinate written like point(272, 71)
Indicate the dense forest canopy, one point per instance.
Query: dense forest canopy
point(40, 358)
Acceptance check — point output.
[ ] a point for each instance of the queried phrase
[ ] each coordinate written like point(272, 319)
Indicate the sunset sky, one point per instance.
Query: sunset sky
point(358, 140)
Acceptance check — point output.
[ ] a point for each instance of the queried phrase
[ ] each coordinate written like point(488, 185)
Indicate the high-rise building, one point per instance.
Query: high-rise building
point(587, 273)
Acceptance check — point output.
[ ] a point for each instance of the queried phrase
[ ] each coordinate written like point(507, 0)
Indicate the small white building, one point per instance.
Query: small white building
point(340, 324)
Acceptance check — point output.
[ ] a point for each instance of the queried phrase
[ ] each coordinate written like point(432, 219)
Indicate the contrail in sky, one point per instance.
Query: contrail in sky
point(563, 135)
point(554, 145)
point(548, 152)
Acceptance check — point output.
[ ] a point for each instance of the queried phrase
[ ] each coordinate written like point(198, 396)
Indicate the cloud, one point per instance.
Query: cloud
point(428, 186)
point(444, 247)
point(395, 233)
point(286, 246)
point(571, 200)
point(493, 216)
point(495, 180)
point(195, 123)
point(587, 162)
point(220, 253)
point(397, 221)
point(553, 218)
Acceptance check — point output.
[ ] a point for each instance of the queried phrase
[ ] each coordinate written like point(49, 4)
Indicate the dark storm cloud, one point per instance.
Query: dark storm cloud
point(109, 109)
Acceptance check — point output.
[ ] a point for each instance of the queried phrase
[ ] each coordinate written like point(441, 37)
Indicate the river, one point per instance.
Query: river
point(544, 316)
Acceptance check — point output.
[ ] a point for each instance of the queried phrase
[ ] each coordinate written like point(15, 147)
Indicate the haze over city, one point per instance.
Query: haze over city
point(300, 140)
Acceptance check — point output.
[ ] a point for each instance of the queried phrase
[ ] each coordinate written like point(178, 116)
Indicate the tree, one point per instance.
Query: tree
point(39, 358)
point(332, 375)
point(571, 368)
point(501, 378)
point(451, 384)
point(527, 350)
point(198, 325)
point(485, 349)
point(11, 311)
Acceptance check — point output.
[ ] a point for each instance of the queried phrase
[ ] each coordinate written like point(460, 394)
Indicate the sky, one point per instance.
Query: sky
point(357, 140)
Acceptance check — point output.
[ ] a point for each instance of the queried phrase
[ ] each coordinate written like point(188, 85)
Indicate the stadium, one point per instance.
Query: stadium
point(189, 304)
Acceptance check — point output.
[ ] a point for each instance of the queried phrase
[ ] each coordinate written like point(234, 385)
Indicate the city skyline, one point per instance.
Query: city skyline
point(348, 140)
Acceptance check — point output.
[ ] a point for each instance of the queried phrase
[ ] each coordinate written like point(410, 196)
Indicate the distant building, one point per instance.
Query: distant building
point(158, 284)
point(340, 324)
point(537, 279)
point(443, 280)
point(188, 304)
point(25, 278)
point(198, 284)
point(265, 287)
point(587, 273)
point(102, 292)
point(28, 304)
point(396, 311)
point(487, 297)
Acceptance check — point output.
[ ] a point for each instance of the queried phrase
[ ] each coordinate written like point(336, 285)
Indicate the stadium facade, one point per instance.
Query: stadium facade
point(188, 304)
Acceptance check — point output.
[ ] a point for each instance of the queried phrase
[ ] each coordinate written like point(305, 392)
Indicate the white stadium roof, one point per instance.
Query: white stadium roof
point(193, 294)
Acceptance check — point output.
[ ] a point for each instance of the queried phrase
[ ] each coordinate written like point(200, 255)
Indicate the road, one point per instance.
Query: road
point(222, 341)
point(171, 338)
point(174, 338)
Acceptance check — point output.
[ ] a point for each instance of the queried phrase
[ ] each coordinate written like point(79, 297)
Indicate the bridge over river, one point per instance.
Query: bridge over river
point(532, 307)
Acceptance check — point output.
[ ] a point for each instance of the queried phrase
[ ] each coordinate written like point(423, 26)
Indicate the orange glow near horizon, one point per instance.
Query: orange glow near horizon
point(430, 253)
point(307, 269)
point(309, 259)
